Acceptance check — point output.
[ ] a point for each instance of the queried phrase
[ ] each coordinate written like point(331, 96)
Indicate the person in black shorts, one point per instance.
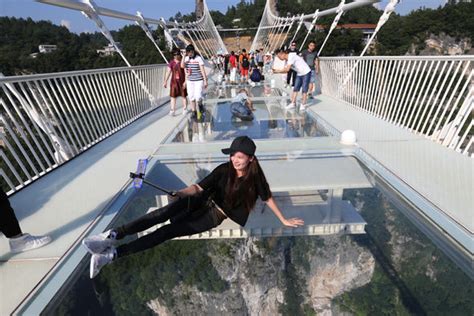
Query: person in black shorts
point(229, 191)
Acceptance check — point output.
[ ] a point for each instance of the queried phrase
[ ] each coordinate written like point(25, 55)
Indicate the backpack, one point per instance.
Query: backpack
point(256, 76)
point(245, 62)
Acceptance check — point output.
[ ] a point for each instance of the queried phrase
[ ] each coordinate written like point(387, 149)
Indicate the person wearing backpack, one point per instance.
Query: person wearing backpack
point(244, 65)
point(255, 74)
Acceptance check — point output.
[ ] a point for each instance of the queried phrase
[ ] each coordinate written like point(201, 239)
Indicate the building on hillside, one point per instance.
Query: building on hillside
point(45, 49)
point(366, 29)
point(108, 50)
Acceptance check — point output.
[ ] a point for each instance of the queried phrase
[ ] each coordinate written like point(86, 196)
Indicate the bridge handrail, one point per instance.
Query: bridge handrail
point(47, 119)
point(63, 74)
point(431, 96)
point(454, 57)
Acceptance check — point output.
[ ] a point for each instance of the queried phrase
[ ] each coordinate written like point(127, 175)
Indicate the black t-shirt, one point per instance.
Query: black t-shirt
point(215, 184)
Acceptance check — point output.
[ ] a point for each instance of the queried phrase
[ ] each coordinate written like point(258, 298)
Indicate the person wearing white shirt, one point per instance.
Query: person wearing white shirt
point(196, 78)
point(303, 76)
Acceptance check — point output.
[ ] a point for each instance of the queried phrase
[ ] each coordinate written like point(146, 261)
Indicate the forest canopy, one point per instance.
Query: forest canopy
point(20, 37)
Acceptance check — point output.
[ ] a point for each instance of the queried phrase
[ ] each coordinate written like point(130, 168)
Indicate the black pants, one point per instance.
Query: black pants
point(291, 76)
point(188, 216)
point(8, 222)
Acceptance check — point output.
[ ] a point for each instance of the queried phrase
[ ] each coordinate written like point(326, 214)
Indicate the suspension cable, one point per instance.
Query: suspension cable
point(340, 12)
point(389, 8)
point(313, 23)
point(147, 31)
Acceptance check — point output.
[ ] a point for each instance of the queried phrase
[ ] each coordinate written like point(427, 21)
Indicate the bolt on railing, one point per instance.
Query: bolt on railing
point(430, 96)
point(47, 119)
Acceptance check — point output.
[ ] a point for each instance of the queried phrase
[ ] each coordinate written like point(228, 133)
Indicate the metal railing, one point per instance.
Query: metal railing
point(47, 119)
point(430, 96)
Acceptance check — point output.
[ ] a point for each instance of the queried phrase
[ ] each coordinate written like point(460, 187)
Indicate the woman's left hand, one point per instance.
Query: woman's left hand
point(293, 222)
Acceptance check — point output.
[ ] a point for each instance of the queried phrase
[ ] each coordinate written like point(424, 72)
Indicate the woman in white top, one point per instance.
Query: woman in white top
point(196, 79)
point(303, 75)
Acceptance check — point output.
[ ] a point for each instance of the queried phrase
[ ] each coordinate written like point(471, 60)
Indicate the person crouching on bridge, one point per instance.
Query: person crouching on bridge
point(196, 78)
point(229, 191)
point(242, 106)
point(177, 87)
point(303, 76)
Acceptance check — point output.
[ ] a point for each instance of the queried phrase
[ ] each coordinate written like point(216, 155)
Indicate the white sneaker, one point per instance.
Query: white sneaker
point(172, 113)
point(303, 107)
point(185, 111)
point(290, 106)
point(99, 260)
point(28, 242)
point(98, 243)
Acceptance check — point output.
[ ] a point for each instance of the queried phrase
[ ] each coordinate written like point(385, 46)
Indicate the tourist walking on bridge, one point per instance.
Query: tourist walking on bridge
point(311, 57)
point(226, 67)
point(244, 61)
point(259, 59)
point(229, 191)
point(196, 78)
point(177, 87)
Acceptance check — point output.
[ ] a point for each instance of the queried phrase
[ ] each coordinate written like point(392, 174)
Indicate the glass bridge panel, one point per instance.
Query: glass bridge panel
point(231, 90)
point(271, 121)
point(392, 268)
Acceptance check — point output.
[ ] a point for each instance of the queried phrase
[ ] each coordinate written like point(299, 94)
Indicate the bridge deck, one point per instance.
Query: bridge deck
point(440, 175)
point(80, 197)
point(66, 201)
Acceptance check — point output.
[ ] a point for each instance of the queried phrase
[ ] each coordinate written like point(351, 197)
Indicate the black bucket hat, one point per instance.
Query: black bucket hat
point(243, 144)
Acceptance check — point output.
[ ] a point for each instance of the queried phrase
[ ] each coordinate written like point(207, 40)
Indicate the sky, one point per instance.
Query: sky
point(77, 23)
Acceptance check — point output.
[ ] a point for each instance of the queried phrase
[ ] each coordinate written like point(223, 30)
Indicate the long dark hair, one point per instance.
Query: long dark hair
point(246, 189)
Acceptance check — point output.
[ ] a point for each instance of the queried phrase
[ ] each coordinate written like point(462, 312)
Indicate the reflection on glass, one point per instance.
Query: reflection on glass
point(271, 121)
point(392, 269)
point(229, 91)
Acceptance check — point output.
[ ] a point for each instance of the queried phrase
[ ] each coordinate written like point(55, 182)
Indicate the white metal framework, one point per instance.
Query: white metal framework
point(47, 119)
point(431, 96)
point(202, 33)
point(273, 30)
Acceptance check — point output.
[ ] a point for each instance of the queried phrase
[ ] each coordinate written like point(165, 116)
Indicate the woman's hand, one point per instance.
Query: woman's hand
point(175, 195)
point(164, 85)
point(293, 222)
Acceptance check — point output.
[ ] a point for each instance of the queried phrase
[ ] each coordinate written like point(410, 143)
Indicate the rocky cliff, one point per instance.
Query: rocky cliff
point(276, 276)
point(443, 44)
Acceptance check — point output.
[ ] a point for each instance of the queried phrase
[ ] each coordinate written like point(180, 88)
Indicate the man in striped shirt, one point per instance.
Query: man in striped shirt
point(196, 78)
